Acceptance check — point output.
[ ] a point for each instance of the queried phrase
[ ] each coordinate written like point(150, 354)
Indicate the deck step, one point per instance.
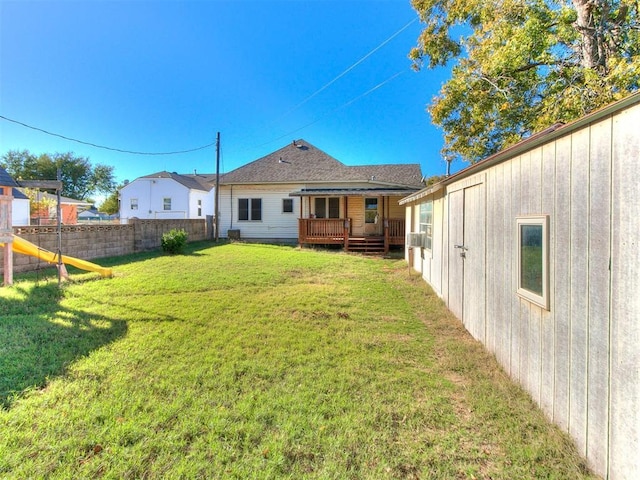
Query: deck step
point(374, 245)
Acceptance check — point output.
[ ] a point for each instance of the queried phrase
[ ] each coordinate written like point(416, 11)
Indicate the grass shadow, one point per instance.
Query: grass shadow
point(39, 338)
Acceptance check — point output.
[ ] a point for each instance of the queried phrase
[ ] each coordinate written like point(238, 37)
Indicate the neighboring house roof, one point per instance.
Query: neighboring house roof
point(93, 213)
point(6, 180)
point(192, 182)
point(19, 195)
point(302, 162)
point(63, 200)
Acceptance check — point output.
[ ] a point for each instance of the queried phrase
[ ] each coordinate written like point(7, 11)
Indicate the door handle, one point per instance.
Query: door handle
point(461, 247)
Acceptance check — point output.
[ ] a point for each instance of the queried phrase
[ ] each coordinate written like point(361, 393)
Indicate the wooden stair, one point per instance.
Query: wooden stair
point(367, 245)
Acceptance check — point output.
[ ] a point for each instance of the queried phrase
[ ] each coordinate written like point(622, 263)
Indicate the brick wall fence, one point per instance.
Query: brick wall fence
point(97, 241)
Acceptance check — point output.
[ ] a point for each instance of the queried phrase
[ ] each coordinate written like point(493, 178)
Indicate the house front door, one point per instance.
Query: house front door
point(466, 258)
point(372, 220)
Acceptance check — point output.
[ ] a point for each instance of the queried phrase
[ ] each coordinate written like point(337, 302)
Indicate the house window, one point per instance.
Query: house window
point(199, 208)
point(327, 207)
point(250, 209)
point(370, 210)
point(426, 223)
point(287, 205)
point(334, 207)
point(166, 203)
point(134, 204)
point(533, 259)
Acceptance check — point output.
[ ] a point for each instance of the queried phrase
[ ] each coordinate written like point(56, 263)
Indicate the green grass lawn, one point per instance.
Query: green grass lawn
point(251, 361)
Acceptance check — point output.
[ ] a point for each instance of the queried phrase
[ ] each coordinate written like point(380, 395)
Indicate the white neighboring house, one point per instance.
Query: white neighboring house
point(167, 195)
point(20, 209)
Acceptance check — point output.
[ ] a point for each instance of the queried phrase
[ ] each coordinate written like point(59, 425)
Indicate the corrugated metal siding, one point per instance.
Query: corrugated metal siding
point(580, 360)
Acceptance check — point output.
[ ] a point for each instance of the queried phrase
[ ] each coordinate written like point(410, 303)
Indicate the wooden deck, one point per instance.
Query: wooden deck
point(337, 231)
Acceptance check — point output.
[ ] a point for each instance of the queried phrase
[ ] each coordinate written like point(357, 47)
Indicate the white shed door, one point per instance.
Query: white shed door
point(466, 258)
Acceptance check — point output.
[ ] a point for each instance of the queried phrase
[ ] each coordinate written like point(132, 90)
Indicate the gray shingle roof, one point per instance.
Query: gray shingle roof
point(18, 194)
point(6, 180)
point(193, 182)
point(302, 162)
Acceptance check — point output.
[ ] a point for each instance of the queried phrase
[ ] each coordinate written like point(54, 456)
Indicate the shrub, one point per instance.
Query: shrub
point(174, 240)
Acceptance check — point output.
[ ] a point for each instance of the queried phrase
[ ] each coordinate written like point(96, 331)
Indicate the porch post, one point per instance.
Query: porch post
point(346, 234)
point(6, 234)
point(8, 263)
point(386, 236)
point(300, 221)
point(347, 226)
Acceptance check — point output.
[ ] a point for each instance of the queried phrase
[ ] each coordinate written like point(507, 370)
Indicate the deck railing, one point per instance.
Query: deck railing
point(338, 230)
point(323, 230)
point(396, 231)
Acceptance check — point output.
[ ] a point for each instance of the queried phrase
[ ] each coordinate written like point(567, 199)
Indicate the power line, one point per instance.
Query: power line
point(132, 152)
point(295, 107)
point(340, 75)
point(326, 85)
point(344, 105)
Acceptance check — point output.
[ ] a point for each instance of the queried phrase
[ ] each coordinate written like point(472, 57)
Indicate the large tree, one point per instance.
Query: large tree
point(79, 178)
point(519, 66)
point(111, 204)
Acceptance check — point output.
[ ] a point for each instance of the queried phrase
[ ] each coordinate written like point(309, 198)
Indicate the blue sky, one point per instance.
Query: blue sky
point(163, 76)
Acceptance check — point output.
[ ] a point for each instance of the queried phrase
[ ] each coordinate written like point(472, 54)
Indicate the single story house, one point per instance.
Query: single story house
point(300, 194)
point(93, 215)
point(19, 202)
point(20, 209)
point(167, 195)
point(535, 250)
point(47, 213)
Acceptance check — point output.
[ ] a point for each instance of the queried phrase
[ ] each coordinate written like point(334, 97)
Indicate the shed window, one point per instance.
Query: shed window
point(426, 223)
point(250, 209)
point(287, 205)
point(166, 203)
point(533, 259)
point(134, 204)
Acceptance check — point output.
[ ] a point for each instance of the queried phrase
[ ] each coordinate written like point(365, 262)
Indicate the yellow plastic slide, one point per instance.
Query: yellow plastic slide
point(21, 245)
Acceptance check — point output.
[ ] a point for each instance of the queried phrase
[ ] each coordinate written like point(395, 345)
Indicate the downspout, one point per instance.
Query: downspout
point(231, 202)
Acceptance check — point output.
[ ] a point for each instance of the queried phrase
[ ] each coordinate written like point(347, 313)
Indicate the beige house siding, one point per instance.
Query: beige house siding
point(355, 211)
point(394, 209)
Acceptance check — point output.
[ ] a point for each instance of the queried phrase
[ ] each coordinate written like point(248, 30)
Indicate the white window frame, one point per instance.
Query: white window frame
point(529, 295)
point(166, 204)
point(326, 201)
point(250, 209)
point(287, 200)
point(133, 204)
point(370, 213)
point(426, 224)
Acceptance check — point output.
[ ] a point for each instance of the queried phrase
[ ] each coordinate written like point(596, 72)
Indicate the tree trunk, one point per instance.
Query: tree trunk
point(592, 48)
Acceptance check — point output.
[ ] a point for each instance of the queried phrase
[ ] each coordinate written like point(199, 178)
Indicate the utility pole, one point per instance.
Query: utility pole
point(59, 225)
point(217, 195)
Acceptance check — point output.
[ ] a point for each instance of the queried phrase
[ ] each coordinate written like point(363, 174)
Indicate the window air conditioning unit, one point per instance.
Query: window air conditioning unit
point(416, 240)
